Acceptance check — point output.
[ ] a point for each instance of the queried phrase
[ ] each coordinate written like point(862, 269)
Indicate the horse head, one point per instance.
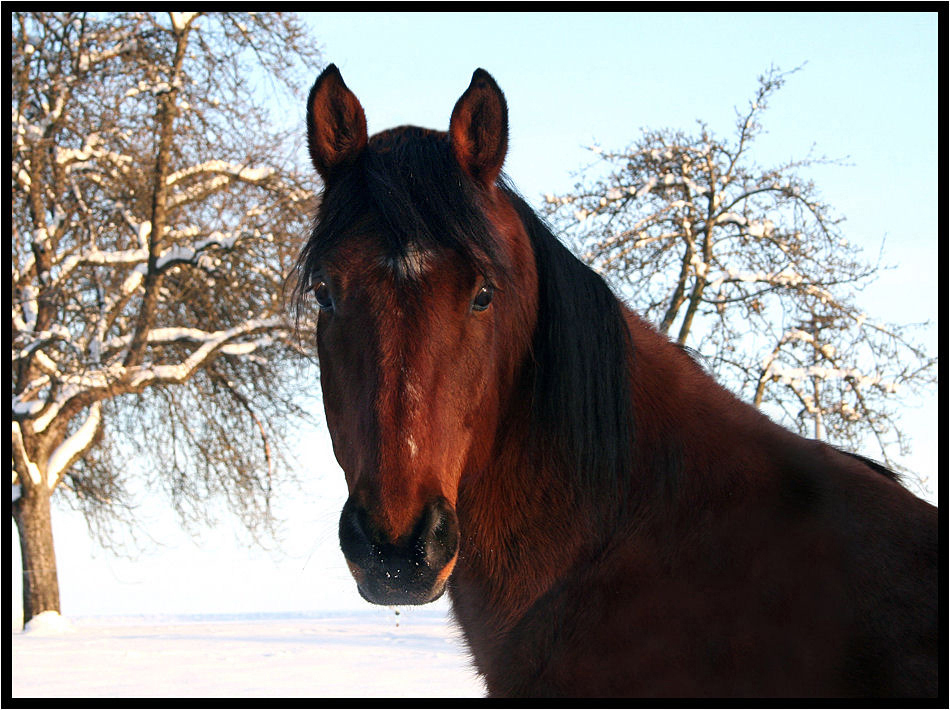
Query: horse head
point(425, 282)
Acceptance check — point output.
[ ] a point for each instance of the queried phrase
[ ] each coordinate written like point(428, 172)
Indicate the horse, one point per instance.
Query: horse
point(606, 518)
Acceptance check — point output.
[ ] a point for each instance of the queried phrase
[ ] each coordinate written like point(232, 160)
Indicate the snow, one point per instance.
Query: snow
point(26, 408)
point(144, 230)
point(372, 653)
point(223, 167)
point(247, 347)
point(255, 174)
point(134, 279)
point(181, 20)
point(49, 623)
point(29, 306)
point(760, 228)
point(180, 252)
point(795, 375)
point(647, 186)
point(732, 218)
point(702, 268)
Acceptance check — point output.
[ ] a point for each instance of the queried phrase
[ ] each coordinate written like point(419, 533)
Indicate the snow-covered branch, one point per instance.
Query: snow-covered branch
point(110, 48)
point(182, 20)
point(787, 375)
point(113, 378)
point(165, 336)
point(94, 257)
point(214, 175)
point(210, 345)
point(221, 167)
point(21, 456)
point(73, 446)
point(191, 253)
point(92, 154)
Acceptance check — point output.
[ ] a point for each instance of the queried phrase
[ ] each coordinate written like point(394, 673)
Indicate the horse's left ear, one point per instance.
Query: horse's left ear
point(479, 128)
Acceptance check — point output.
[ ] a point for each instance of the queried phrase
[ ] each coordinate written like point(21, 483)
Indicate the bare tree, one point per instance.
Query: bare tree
point(154, 213)
point(749, 266)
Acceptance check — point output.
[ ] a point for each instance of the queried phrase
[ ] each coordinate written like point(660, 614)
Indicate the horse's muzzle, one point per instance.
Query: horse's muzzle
point(410, 570)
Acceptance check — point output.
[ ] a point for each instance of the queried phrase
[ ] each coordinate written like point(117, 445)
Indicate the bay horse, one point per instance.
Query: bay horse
point(606, 518)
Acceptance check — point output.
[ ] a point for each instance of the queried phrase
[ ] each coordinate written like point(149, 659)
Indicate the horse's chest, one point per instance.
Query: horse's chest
point(642, 632)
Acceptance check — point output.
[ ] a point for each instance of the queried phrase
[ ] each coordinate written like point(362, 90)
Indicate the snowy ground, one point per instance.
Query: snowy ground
point(345, 654)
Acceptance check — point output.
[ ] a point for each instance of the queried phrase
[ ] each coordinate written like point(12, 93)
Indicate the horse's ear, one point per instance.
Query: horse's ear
point(336, 124)
point(479, 128)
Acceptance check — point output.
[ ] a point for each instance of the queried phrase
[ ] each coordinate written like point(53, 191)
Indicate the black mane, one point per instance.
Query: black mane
point(873, 465)
point(582, 346)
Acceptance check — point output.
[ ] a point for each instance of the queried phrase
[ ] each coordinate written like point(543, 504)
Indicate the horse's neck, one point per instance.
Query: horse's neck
point(519, 531)
point(523, 526)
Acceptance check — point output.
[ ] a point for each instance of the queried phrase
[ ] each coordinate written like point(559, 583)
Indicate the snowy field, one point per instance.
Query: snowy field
point(345, 654)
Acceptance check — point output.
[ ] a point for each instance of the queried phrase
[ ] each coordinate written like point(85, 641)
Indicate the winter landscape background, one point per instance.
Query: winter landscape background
point(208, 615)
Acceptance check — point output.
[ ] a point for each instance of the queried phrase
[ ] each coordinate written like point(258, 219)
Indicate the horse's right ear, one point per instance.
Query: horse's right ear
point(336, 124)
point(478, 129)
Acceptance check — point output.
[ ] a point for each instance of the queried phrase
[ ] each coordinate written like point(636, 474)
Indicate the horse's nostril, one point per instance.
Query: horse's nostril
point(354, 536)
point(439, 538)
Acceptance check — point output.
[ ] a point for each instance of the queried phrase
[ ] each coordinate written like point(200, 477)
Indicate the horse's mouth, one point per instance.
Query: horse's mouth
point(386, 595)
point(396, 589)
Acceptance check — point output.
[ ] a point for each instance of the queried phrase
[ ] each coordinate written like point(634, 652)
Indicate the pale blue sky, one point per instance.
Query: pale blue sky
point(867, 92)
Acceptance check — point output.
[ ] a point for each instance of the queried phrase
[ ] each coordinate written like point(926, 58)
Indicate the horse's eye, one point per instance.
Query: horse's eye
point(322, 293)
point(483, 298)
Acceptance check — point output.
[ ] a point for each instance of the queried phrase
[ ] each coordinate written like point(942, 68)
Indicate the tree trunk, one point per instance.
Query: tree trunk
point(40, 583)
point(691, 309)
